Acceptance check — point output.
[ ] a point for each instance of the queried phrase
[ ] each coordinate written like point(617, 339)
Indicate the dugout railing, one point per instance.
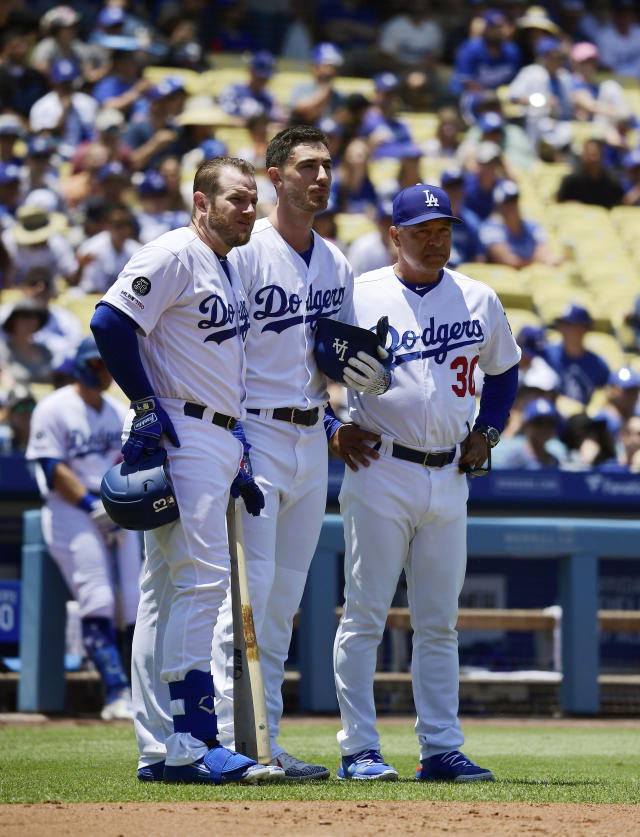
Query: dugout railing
point(576, 543)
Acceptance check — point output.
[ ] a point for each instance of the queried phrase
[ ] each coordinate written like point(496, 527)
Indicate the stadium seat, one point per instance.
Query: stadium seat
point(192, 81)
point(511, 287)
point(422, 126)
point(352, 84)
point(520, 317)
point(607, 346)
point(82, 306)
point(352, 225)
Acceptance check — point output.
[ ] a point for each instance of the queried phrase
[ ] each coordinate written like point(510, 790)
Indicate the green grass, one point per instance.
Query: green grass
point(96, 763)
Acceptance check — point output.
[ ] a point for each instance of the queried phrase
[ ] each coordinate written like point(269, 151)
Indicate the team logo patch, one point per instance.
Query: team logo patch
point(141, 285)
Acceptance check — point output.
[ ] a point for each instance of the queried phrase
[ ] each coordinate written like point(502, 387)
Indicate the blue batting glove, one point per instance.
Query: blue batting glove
point(150, 422)
point(246, 487)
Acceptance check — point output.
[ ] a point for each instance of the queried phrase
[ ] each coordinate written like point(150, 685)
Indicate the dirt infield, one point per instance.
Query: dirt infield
point(318, 819)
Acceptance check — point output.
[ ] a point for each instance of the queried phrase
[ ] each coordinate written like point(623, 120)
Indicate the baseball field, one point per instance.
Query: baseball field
point(553, 777)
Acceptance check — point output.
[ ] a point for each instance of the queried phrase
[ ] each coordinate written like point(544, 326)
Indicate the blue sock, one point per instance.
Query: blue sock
point(99, 636)
point(195, 693)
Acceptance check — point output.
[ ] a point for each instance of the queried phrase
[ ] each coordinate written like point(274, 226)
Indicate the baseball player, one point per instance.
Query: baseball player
point(171, 329)
point(408, 509)
point(74, 438)
point(292, 277)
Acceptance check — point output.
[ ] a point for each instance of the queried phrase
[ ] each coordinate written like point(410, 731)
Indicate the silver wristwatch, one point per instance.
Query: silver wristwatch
point(490, 434)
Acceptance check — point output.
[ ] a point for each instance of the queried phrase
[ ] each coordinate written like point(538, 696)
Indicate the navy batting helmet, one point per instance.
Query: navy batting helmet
point(140, 496)
point(87, 350)
point(337, 342)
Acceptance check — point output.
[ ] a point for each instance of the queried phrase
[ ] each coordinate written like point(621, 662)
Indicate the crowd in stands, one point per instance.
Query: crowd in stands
point(528, 115)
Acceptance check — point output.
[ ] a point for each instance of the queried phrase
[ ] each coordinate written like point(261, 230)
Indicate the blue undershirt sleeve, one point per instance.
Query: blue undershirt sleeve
point(498, 394)
point(48, 465)
point(331, 422)
point(117, 341)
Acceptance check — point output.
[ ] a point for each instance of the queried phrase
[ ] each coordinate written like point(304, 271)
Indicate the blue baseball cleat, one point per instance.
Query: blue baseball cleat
point(368, 764)
point(221, 766)
point(151, 772)
point(453, 766)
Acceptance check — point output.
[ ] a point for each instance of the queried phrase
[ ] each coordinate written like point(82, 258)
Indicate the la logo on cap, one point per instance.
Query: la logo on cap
point(431, 200)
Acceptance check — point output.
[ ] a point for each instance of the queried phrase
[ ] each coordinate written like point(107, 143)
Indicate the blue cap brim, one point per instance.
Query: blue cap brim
point(431, 216)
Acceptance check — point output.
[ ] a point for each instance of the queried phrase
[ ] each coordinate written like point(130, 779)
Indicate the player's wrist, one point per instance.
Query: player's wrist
point(87, 502)
point(491, 434)
point(142, 406)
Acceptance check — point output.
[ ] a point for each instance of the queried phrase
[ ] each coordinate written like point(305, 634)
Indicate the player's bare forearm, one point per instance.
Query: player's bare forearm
point(349, 442)
point(67, 484)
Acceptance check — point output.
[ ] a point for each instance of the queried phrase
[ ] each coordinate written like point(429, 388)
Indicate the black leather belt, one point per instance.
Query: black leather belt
point(197, 411)
point(292, 415)
point(427, 458)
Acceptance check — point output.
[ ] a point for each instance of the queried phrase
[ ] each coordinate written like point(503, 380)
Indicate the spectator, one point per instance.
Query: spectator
point(312, 100)
point(619, 40)
point(10, 176)
point(374, 249)
point(591, 182)
point(232, 32)
point(538, 446)
point(11, 130)
point(170, 170)
point(20, 84)
point(22, 360)
point(246, 99)
point(479, 184)
point(184, 47)
point(631, 178)
point(491, 126)
point(158, 135)
point(623, 391)
point(77, 188)
point(34, 240)
point(596, 99)
point(508, 238)
point(66, 114)
point(258, 128)
point(109, 124)
point(465, 244)
point(62, 330)
point(125, 85)
point(581, 371)
point(447, 138)
point(589, 442)
point(630, 443)
point(352, 25)
point(14, 429)
point(39, 172)
point(411, 43)
point(387, 135)
point(544, 89)
point(154, 216)
point(60, 28)
point(485, 62)
point(105, 254)
point(351, 188)
point(531, 27)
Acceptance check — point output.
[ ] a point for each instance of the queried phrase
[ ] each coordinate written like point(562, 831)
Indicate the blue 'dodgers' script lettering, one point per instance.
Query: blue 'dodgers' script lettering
point(284, 310)
point(437, 340)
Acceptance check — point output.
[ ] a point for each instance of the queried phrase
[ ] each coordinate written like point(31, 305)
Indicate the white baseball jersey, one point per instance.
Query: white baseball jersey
point(189, 314)
point(285, 300)
point(65, 427)
point(437, 340)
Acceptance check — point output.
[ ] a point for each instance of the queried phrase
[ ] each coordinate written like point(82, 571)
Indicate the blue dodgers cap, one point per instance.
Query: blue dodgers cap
point(152, 183)
point(113, 169)
point(505, 190)
point(575, 315)
point(548, 44)
point(64, 70)
point(385, 81)
point(540, 408)
point(327, 53)
point(162, 89)
point(10, 124)
point(40, 146)
point(263, 63)
point(625, 377)
point(631, 159)
point(419, 203)
point(330, 127)
point(494, 17)
point(531, 340)
point(213, 148)
point(384, 209)
point(490, 121)
point(454, 174)
point(111, 16)
point(9, 173)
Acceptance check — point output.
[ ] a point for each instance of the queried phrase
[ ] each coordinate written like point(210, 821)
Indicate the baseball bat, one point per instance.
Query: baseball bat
point(251, 727)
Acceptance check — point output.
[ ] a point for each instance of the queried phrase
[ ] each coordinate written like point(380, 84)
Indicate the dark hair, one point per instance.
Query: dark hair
point(207, 174)
point(280, 148)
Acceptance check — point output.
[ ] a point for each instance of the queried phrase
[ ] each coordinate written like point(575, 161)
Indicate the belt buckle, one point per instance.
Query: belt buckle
point(426, 456)
point(292, 416)
point(231, 423)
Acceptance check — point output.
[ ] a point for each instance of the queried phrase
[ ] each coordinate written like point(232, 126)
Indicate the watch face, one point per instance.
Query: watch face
point(493, 436)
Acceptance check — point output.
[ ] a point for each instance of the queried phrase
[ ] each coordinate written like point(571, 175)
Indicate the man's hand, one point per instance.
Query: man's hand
point(348, 442)
point(365, 373)
point(107, 528)
point(246, 487)
point(474, 452)
point(150, 422)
